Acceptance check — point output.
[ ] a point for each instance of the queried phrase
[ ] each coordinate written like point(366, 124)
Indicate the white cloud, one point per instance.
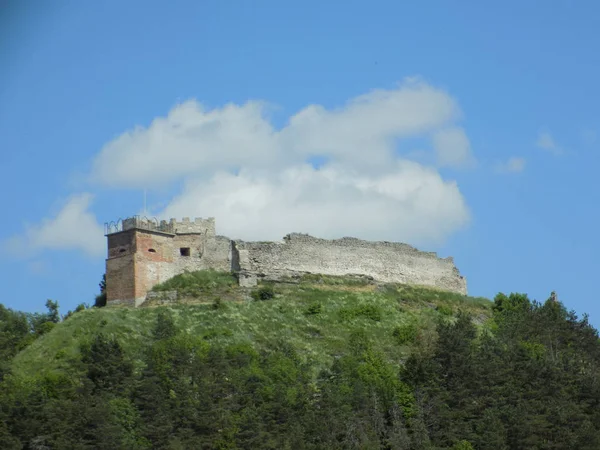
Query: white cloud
point(408, 202)
point(512, 165)
point(237, 167)
point(364, 189)
point(452, 148)
point(546, 142)
point(74, 227)
point(192, 140)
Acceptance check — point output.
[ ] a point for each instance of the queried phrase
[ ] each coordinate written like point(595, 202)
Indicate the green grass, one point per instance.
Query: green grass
point(332, 280)
point(317, 316)
point(209, 286)
point(195, 283)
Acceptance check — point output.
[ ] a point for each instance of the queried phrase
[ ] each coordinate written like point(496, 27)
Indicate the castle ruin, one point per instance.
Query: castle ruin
point(144, 252)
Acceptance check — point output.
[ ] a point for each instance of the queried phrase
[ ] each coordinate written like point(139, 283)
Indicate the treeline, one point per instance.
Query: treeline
point(19, 329)
point(528, 380)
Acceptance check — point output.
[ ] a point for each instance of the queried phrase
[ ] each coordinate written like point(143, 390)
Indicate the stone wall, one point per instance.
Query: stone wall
point(162, 297)
point(384, 261)
point(198, 225)
point(154, 259)
point(120, 268)
point(144, 254)
point(140, 258)
point(120, 278)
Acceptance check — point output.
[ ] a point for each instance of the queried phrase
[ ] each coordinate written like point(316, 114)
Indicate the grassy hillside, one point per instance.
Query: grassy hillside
point(313, 363)
point(315, 314)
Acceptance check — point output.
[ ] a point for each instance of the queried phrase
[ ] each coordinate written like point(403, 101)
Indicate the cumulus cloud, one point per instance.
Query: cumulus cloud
point(545, 141)
point(512, 165)
point(452, 148)
point(74, 227)
point(193, 140)
point(254, 178)
point(409, 202)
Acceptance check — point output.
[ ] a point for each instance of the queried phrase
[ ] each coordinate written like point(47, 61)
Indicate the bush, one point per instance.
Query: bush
point(313, 309)
point(45, 327)
point(216, 332)
point(265, 292)
point(404, 334)
point(100, 300)
point(444, 310)
point(462, 445)
point(371, 312)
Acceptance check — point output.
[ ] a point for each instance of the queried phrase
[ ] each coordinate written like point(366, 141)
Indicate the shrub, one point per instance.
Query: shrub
point(100, 300)
point(444, 310)
point(313, 309)
point(265, 292)
point(371, 312)
point(462, 445)
point(216, 332)
point(165, 327)
point(313, 331)
point(79, 308)
point(404, 334)
point(45, 327)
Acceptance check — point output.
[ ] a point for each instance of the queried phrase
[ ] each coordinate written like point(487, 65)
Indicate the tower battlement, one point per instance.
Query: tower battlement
point(172, 226)
point(197, 225)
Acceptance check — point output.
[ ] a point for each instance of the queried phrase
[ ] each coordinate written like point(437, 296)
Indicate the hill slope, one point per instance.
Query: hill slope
point(316, 315)
point(313, 363)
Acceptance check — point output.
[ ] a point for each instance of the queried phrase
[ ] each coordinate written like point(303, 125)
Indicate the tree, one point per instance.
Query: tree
point(165, 326)
point(53, 314)
point(107, 366)
point(14, 335)
point(78, 308)
point(42, 323)
point(100, 300)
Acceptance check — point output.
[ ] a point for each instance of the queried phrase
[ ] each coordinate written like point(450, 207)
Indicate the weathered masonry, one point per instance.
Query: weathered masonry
point(144, 252)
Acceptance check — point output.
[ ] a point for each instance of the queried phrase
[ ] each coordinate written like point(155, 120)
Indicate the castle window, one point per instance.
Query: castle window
point(184, 251)
point(122, 250)
point(151, 250)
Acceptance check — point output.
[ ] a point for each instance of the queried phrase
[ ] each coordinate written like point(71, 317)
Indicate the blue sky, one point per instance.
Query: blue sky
point(466, 129)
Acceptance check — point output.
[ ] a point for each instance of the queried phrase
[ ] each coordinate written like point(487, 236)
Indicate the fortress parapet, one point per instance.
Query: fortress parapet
point(186, 226)
point(197, 226)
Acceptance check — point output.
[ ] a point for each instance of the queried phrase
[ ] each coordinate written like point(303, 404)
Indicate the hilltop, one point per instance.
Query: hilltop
point(314, 362)
point(315, 313)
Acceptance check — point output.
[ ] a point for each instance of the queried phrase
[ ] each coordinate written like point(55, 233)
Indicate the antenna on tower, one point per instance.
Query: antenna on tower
point(145, 210)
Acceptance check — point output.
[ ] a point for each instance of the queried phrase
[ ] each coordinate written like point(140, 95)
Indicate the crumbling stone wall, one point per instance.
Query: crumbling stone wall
point(144, 254)
point(384, 261)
